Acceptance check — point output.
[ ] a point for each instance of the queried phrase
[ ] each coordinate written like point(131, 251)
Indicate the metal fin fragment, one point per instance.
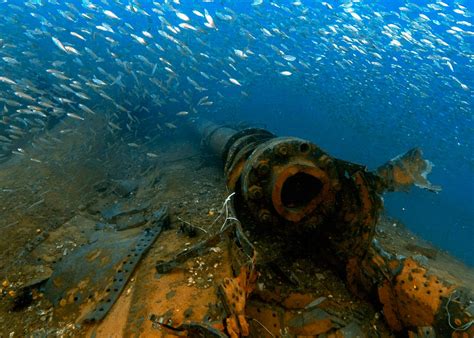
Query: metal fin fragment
point(403, 171)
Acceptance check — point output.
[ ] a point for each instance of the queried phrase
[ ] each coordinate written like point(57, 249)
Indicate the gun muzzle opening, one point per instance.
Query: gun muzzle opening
point(298, 190)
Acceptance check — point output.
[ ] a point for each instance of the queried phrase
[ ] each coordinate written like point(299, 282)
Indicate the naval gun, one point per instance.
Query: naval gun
point(290, 185)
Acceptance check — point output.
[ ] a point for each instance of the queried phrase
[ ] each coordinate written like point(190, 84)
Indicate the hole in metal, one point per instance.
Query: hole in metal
point(304, 147)
point(299, 190)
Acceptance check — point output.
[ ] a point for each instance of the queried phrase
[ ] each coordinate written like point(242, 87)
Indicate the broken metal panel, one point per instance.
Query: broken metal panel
point(89, 281)
point(412, 295)
point(235, 291)
point(127, 266)
point(181, 257)
point(120, 209)
point(300, 314)
point(406, 170)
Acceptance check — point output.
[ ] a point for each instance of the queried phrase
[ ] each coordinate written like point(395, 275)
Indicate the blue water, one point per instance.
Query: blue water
point(355, 94)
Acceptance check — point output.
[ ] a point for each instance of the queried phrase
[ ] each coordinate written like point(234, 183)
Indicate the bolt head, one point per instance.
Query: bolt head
point(255, 192)
point(282, 150)
point(263, 169)
point(264, 216)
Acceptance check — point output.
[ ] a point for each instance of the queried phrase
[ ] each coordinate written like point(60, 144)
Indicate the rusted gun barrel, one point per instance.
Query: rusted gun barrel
point(290, 184)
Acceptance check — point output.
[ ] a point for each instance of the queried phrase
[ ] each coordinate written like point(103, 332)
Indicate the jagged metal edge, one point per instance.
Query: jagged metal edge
point(121, 277)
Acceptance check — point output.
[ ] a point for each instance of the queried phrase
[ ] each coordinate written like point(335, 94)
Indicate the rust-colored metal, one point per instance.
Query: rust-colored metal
point(294, 186)
point(412, 295)
point(235, 292)
point(404, 171)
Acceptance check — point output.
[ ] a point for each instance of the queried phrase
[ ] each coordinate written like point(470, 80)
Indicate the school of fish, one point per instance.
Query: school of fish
point(176, 59)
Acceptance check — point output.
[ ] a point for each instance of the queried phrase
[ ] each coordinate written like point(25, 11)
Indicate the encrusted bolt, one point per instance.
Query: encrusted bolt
point(255, 192)
point(264, 216)
point(282, 150)
point(324, 161)
point(263, 169)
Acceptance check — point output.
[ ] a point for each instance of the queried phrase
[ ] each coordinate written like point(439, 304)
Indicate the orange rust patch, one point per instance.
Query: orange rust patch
point(419, 294)
point(353, 276)
point(414, 299)
point(266, 317)
point(468, 334)
point(57, 282)
point(236, 291)
point(297, 300)
point(153, 298)
point(93, 255)
point(401, 176)
point(360, 219)
point(235, 294)
point(115, 321)
point(234, 174)
point(390, 306)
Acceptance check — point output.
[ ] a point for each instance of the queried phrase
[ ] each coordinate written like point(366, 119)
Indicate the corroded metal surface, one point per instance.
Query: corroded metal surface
point(289, 185)
point(234, 290)
point(281, 276)
point(404, 171)
point(89, 281)
point(413, 294)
